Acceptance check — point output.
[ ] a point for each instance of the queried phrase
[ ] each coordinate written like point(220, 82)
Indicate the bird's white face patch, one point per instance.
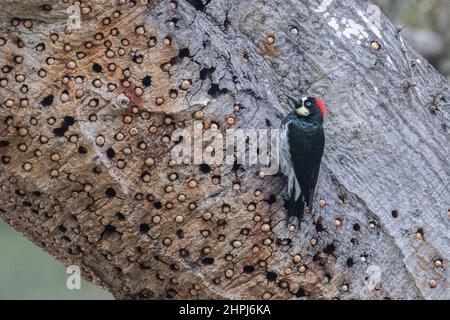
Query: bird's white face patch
point(303, 111)
point(304, 100)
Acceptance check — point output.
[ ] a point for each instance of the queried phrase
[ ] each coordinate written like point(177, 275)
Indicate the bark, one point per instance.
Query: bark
point(140, 231)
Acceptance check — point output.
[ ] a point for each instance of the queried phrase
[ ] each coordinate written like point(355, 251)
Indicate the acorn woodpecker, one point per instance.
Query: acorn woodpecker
point(302, 143)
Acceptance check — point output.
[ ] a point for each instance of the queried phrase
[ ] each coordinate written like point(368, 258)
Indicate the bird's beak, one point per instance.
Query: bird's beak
point(296, 102)
point(302, 111)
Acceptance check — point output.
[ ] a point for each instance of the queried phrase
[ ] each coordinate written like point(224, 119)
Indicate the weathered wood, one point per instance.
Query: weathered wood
point(141, 231)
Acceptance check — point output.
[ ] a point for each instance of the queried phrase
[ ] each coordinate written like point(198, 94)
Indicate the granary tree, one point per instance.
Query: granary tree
point(91, 92)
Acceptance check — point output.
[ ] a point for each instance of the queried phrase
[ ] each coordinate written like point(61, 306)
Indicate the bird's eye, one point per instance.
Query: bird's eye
point(308, 104)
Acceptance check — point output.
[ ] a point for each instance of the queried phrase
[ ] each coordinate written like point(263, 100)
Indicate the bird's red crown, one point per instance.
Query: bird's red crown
point(321, 106)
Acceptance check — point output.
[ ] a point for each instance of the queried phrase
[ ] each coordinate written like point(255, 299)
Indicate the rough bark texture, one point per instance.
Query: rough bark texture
point(88, 193)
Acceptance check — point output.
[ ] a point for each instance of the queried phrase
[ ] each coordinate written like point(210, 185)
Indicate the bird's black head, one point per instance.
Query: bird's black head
point(310, 107)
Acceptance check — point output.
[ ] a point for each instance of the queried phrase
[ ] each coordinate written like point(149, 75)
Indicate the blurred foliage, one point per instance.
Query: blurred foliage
point(427, 26)
point(27, 272)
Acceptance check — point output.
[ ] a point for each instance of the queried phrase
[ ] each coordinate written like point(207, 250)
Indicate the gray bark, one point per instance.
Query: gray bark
point(384, 177)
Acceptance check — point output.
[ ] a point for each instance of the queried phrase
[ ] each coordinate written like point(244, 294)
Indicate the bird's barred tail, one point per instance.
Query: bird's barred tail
point(295, 208)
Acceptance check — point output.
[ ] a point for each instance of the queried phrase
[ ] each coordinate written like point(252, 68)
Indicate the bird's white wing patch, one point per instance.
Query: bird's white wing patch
point(286, 162)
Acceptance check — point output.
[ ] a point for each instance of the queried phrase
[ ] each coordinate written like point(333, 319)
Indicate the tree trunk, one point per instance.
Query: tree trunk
point(86, 119)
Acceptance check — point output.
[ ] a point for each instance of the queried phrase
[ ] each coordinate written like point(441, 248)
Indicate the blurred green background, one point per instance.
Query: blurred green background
point(27, 272)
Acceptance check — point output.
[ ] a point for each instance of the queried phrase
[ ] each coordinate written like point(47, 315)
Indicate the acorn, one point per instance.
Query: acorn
point(433, 283)
point(186, 84)
point(375, 46)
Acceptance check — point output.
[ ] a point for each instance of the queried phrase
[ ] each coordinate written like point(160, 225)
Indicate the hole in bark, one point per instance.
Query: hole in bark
point(394, 214)
point(330, 249)
point(356, 227)
point(173, 267)
point(146, 294)
point(138, 58)
point(420, 232)
point(82, 150)
point(272, 199)
point(68, 121)
point(183, 53)
point(249, 269)
point(245, 231)
point(180, 139)
point(208, 261)
point(120, 216)
point(180, 233)
point(205, 233)
point(171, 293)
point(66, 239)
point(110, 192)
point(205, 168)
point(184, 253)
point(206, 73)
point(144, 175)
point(47, 101)
point(268, 123)
point(144, 228)
point(283, 242)
point(319, 225)
point(221, 222)
point(4, 143)
point(174, 21)
point(198, 4)
point(59, 132)
point(110, 153)
point(214, 91)
point(226, 208)
point(62, 228)
point(46, 7)
point(108, 231)
point(147, 81)
point(300, 293)
point(143, 266)
point(157, 205)
point(97, 170)
point(350, 262)
point(97, 68)
point(271, 276)
point(173, 93)
point(26, 204)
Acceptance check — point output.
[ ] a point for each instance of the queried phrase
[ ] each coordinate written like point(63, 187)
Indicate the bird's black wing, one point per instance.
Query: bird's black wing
point(306, 156)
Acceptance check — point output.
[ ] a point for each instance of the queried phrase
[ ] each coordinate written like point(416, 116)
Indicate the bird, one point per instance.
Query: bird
point(302, 143)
